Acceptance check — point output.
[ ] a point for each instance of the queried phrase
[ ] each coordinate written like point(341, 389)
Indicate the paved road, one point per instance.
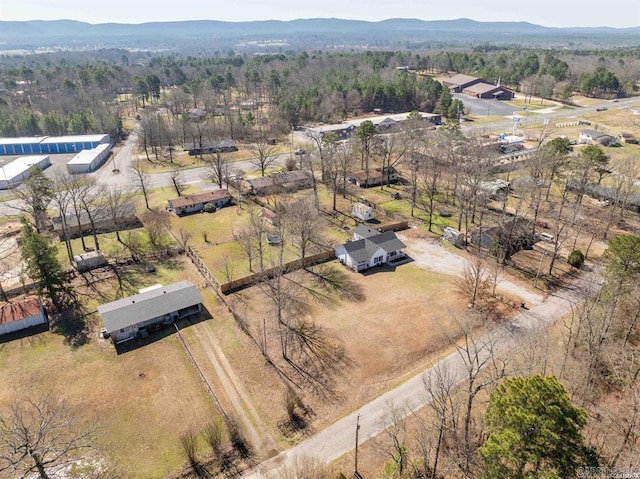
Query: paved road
point(339, 438)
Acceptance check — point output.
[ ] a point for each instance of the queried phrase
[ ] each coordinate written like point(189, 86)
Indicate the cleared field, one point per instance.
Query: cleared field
point(142, 400)
point(401, 322)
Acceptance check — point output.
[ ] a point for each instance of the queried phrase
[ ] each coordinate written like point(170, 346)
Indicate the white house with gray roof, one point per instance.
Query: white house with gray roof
point(370, 248)
point(151, 309)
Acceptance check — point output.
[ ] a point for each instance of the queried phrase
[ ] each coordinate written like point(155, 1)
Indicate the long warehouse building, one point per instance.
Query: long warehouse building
point(89, 160)
point(45, 145)
point(14, 173)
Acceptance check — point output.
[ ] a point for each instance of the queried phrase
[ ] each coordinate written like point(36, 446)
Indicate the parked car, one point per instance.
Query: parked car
point(601, 108)
point(299, 152)
point(274, 239)
point(546, 237)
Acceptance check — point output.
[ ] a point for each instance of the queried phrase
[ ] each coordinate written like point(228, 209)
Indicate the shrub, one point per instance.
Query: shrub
point(291, 164)
point(576, 259)
point(209, 208)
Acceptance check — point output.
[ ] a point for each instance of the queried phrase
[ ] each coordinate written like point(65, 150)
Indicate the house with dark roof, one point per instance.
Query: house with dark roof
point(594, 137)
point(488, 91)
point(370, 248)
point(374, 177)
point(280, 182)
point(21, 314)
point(151, 309)
point(210, 147)
point(195, 203)
point(100, 219)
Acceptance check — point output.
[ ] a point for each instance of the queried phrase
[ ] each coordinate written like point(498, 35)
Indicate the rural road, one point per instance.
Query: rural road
point(339, 438)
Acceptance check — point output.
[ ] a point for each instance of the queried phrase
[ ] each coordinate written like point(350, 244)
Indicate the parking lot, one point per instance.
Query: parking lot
point(481, 107)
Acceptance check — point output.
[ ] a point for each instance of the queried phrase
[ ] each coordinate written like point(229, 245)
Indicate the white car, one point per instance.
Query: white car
point(547, 237)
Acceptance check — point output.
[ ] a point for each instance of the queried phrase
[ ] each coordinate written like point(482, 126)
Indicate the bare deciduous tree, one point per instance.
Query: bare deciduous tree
point(40, 434)
point(140, 180)
point(263, 152)
point(176, 179)
point(218, 169)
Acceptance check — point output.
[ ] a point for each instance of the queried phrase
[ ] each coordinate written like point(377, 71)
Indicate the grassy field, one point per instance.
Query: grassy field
point(142, 399)
point(404, 334)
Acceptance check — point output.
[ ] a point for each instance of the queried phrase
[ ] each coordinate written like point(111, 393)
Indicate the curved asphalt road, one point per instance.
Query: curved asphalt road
point(339, 438)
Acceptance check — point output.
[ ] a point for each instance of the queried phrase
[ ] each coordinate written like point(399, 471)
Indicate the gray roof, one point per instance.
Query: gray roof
point(151, 304)
point(365, 231)
point(361, 250)
point(364, 249)
point(388, 241)
point(98, 214)
point(595, 134)
point(281, 178)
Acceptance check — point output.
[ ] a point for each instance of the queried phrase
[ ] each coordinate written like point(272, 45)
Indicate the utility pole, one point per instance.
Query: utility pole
point(355, 473)
point(535, 282)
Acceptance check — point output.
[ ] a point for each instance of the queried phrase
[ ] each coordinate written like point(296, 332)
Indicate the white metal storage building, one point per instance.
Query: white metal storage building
point(89, 160)
point(14, 173)
point(42, 145)
point(23, 314)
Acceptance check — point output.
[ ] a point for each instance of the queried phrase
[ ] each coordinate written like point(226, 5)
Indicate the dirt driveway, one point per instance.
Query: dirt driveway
point(431, 254)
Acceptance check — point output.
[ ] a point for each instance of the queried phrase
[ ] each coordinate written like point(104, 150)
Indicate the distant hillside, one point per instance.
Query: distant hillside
point(318, 31)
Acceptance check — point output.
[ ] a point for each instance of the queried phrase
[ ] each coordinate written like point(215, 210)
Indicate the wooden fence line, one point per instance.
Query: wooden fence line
point(289, 267)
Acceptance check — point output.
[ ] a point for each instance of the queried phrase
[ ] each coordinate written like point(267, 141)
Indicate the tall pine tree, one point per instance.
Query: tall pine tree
point(42, 263)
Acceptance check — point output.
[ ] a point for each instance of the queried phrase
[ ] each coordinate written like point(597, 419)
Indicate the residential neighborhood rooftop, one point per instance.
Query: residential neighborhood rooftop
point(135, 309)
point(184, 201)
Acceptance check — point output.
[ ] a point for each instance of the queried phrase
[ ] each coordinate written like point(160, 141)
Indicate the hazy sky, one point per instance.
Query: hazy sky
point(612, 13)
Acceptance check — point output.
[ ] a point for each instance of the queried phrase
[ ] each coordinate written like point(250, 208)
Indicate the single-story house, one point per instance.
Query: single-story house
point(151, 309)
point(488, 91)
point(594, 137)
point(374, 249)
point(196, 115)
point(609, 194)
point(374, 177)
point(102, 221)
point(196, 203)
point(362, 211)
point(21, 314)
point(496, 189)
point(284, 181)
point(509, 236)
point(343, 130)
point(628, 138)
point(210, 147)
point(459, 82)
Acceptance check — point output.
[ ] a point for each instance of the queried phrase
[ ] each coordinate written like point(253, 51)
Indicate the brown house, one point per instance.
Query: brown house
point(375, 176)
point(488, 91)
point(196, 203)
point(282, 182)
point(459, 82)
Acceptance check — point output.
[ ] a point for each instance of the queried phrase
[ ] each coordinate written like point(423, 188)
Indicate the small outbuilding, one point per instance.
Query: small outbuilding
point(21, 314)
point(363, 212)
point(88, 261)
point(149, 310)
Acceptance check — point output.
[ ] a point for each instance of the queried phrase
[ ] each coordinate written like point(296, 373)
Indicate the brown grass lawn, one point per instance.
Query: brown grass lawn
point(400, 325)
point(143, 399)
